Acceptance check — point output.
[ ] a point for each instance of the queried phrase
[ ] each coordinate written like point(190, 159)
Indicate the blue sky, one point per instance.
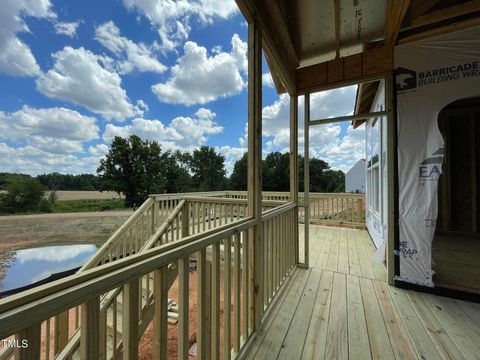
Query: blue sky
point(74, 74)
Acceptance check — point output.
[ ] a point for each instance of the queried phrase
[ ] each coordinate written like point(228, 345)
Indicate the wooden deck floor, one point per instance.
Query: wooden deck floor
point(342, 308)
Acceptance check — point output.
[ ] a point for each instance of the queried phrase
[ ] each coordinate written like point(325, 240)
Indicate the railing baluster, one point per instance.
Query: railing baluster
point(115, 327)
point(130, 320)
point(183, 307)
point(245, 278)
point(47, 339)
point(269, 255)
point(90, 324)
point(236, 295)
point(203, 305)
point(215, 331)
point(227, 288)
point(32, 336)
point(61, 331)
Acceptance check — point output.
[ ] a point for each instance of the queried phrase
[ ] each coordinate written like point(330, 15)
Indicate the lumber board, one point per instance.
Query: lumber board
point(292, 347)
point(358, 344)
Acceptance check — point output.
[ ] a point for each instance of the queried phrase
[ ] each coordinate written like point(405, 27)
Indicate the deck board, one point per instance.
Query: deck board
point(342, 308)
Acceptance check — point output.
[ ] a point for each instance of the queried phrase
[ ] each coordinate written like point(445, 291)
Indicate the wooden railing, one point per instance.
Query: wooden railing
point(138, 285)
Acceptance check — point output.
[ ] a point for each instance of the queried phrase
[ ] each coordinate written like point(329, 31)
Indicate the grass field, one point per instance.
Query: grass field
point(87, 195)
point(68, 206)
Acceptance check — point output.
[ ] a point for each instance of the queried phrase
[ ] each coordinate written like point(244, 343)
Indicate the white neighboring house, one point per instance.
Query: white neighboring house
point(355, 178)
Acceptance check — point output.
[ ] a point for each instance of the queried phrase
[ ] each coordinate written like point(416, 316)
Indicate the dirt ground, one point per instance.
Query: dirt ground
point(23, 231)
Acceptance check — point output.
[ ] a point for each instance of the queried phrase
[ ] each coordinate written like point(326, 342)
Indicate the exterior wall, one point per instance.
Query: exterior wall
point(376, 194)
point(355, 178)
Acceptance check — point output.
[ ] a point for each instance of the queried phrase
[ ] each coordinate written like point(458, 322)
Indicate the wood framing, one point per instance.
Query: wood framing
point(294, 165)
point(391, 124)
point(306, 177)
point(362, 67)
point(278, 47)
point(255, 161)
point(396, 10)
point(443, 14)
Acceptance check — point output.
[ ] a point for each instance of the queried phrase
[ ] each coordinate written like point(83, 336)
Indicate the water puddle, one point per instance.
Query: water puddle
point(28, 266)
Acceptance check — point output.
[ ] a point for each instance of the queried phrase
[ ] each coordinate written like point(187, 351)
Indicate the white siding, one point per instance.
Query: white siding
point(355, 178)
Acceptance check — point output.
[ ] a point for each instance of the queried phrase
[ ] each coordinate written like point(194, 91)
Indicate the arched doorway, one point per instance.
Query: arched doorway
point(456, 245)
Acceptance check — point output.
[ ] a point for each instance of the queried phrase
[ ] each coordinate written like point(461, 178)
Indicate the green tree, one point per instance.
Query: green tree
point(208, 169)
point(23, 194)
point(178, 179)
point(276, 172)
point(135, 168)
point(239, 177)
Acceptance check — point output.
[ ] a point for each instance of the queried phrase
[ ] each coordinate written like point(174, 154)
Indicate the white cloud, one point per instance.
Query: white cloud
point(31, 160)
point(54, 130)
point(198, 78)
point(267, 80)
point(99, 150)
point(16, 58)
point(184, 133)
point(327, 142)
point(173, 18)
point(86, 79)
point(131, 56)
point(67, 28)
point(231, 154)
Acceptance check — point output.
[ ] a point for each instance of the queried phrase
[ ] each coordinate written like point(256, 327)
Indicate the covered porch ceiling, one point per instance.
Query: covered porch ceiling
point(313, 45)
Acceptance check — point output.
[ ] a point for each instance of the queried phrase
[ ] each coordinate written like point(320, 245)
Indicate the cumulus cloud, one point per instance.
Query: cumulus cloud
point(67, 28)
point(55, 130)
point(184, 133)
point(267, 80)
point(131, 56)
point(32, 160)
point(86, 79)
point(341, 149)
point(16, 57)
point(173, 18)
point(198, 78)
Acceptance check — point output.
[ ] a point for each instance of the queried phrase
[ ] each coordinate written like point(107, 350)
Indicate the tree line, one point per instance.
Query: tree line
point(137, 168)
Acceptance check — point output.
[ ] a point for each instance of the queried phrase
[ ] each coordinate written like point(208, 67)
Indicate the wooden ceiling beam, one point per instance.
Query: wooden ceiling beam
point(443, 14)
point(396, 10)
point(369, 65)
point(337, 28)
point(420, 7)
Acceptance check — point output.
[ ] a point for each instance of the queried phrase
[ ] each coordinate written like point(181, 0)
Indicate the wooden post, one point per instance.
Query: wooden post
point(61, 331)
point(130, 320)
point(391, 123)
point(294, 165)
point(160, 320)
point(306, 177)
point(255, 163)
point(31, 337)
point(90, 325)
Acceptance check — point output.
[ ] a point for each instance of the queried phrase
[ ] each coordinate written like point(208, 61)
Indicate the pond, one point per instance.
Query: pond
point(32, 265)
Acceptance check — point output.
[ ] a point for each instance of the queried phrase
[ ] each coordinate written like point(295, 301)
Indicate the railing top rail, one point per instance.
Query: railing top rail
point(23, 310)
point(175, 196)
point(111, 240)
point(150, 242)
point(231, 201)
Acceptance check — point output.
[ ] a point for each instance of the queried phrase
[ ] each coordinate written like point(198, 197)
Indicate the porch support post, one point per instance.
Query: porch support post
point(294, 165)
point(255, 164)
point(306, 177)
point(391, 124)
